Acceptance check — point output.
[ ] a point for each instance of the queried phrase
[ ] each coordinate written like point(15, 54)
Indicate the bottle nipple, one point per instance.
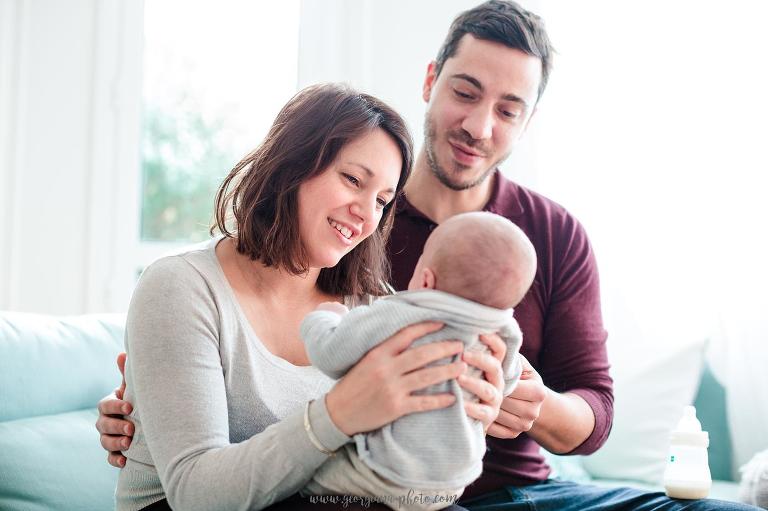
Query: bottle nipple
point(688, 429)
point(689, 422)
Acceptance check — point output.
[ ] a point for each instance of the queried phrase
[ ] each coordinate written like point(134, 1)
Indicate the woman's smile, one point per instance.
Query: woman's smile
point(346, 232)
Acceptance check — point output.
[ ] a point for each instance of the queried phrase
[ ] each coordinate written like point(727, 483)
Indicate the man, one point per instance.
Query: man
point(481, 94)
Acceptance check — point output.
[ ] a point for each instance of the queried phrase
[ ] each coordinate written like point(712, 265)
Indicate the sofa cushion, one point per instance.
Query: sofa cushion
point(52, 365)
point(55, 462)
point(651, 389)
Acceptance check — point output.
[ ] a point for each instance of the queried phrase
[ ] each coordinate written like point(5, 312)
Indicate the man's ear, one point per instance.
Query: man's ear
point(429, 81)
point(427, 279)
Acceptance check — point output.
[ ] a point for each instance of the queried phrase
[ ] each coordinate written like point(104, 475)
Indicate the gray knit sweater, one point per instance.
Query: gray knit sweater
point(439, 449)
point(219, 419)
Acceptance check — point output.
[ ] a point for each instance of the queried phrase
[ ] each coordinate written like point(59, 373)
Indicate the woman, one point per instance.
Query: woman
point(228, 412)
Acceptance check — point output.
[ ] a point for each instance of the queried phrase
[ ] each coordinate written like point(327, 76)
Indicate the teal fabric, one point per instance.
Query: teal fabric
point(55, 462)
point(52, 365)
point(53, 372)
point(711, 411)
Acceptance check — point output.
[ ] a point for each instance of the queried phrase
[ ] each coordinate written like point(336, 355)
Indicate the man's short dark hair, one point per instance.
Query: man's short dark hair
point(505, 22)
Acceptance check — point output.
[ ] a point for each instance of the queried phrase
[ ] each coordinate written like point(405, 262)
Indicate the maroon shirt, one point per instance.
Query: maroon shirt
point(563, 334)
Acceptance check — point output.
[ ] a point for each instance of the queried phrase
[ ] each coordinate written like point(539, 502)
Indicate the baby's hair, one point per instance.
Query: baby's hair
point(482, 257)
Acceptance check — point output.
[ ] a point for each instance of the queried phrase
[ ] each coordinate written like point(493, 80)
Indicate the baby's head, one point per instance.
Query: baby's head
point(479, 256)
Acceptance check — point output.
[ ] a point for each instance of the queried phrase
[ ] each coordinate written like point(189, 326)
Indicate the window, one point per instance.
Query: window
point(215, 76)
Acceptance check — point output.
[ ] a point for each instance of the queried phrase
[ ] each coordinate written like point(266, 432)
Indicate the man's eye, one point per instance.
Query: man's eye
point(510, 114)
point(352, 179)
point(463, 95)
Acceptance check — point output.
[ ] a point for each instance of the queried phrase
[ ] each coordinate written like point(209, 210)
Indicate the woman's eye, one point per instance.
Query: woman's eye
point(382, 203)
point(352, 179)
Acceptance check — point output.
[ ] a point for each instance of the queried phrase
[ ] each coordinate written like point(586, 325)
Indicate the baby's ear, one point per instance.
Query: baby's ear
point(428, 279)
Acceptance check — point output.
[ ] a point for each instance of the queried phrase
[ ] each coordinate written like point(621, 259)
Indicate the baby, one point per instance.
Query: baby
point(475, 267)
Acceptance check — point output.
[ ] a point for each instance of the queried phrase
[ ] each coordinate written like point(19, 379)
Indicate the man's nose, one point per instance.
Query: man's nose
point(479, 123)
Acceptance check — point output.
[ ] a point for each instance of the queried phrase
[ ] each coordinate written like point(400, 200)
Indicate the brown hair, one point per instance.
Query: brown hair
point(260, 195)
point(505, 22)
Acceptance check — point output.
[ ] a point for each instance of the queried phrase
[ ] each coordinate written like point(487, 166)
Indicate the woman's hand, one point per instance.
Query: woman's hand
point(489, 390)
point(379, 389)
point(116, 432)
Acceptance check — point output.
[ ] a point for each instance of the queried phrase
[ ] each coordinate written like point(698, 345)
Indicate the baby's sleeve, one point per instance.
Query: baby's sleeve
point(336, 343)
point(512, 363)
point(318, 331)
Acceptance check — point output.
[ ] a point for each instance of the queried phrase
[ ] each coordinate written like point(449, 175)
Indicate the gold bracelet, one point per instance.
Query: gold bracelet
point(311, 434)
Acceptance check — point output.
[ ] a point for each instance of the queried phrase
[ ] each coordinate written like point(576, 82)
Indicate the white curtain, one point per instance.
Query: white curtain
point(70, 110)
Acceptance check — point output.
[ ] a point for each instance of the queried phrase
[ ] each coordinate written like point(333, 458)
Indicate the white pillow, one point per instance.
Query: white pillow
point(652, 384)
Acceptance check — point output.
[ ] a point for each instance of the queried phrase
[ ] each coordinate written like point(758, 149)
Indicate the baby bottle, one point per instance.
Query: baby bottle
point(687, 474)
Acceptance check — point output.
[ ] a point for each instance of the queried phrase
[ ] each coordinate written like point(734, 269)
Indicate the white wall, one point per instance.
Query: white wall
point(69, 146)
point(656, 129)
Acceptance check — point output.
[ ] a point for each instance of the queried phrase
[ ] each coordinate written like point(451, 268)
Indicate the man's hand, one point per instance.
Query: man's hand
point(120, 391)
point(116, 432)
point(522, 407)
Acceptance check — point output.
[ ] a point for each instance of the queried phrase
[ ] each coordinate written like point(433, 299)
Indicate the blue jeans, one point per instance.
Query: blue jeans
point(557, 495)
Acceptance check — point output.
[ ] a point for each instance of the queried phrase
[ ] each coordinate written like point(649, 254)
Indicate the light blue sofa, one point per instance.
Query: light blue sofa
point(53, 371)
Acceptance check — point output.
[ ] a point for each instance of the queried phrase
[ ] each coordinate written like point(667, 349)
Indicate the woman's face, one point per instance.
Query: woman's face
point(342, 206)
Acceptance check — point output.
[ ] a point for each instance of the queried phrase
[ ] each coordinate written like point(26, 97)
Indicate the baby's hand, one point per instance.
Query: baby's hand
point(336, 307)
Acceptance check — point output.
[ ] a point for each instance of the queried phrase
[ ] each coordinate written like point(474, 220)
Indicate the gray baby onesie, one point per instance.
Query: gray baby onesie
point(439, 449)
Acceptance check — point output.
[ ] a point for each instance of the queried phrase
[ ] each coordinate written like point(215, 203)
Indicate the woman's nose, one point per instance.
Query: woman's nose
point(365, 209)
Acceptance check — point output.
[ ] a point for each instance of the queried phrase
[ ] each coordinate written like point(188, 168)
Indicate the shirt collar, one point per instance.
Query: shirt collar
point(505, 197)
point(504, 200)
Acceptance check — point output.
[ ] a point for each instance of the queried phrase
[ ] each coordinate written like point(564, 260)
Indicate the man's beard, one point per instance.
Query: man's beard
point(439, 172)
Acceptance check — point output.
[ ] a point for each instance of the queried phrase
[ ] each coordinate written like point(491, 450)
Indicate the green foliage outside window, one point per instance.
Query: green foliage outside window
point(183, 164)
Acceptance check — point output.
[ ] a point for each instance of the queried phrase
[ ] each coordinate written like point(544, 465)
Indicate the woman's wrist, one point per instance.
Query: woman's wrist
point(336, 410)
point(321, 429)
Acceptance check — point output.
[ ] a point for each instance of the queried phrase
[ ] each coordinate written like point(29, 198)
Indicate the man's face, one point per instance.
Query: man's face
point(478, 108)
